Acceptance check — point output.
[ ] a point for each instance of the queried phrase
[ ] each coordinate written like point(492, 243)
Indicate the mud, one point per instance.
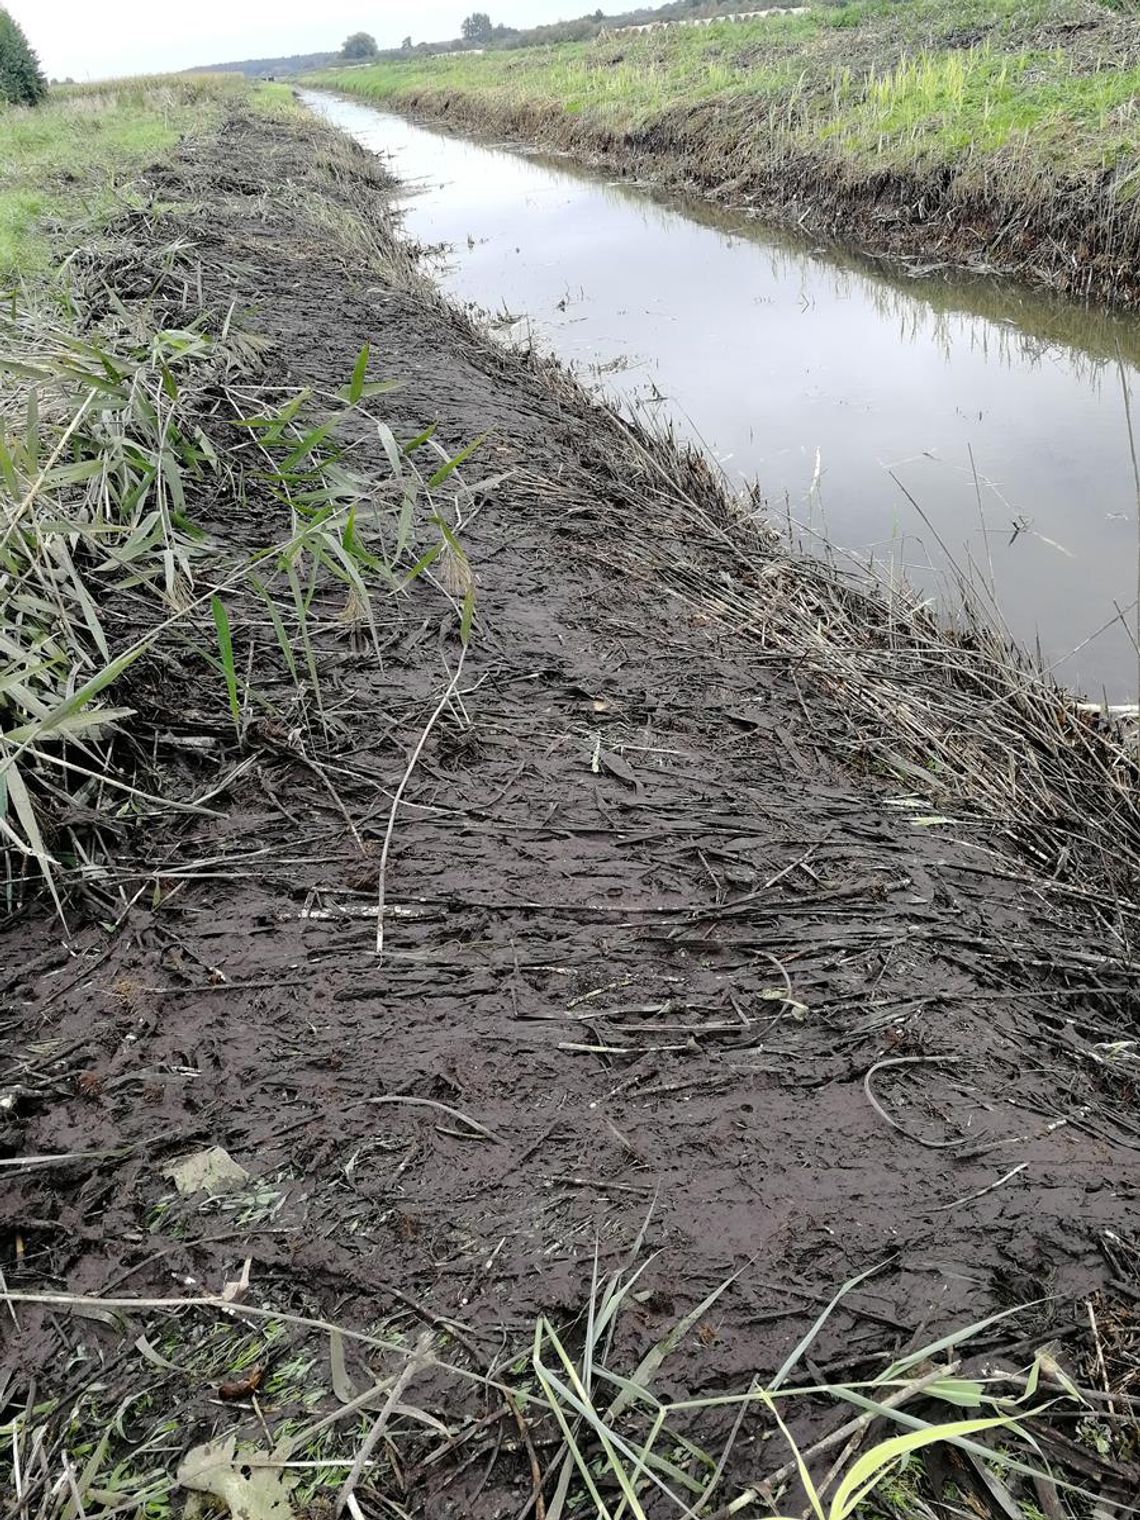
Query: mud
point(669, 962)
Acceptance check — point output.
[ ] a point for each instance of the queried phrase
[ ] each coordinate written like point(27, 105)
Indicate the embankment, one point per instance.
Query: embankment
point(743, 931)
point(998, 136)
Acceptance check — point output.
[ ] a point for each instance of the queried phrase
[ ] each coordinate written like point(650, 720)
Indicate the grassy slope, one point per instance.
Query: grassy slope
point(989, 128)
point(68, 163)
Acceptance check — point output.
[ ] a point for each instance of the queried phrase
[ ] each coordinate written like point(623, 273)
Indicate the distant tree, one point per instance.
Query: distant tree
point(599, 15)
point(478, 29)
point(406, 45)
point(359, 45)
point(22, 80)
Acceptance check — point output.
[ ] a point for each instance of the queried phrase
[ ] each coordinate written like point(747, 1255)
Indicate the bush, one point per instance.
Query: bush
point(358, 47)
point(22, 81)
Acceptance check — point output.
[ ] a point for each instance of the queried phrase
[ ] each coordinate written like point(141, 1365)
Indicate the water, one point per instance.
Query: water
point(839, 386)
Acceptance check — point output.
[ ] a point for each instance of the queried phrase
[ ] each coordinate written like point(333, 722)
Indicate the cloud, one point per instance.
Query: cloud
point(94, 41)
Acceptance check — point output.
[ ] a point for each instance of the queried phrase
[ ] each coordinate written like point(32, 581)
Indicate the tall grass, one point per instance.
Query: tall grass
point(110, 454)
point(982, 99)
point(104, 464)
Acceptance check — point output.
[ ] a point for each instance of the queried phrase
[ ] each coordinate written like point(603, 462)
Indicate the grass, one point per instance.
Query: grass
point(1003, 130)
point(101, 459)
point(111, 448)
point(612, 1445)
point(982, 100)
point(68, 163)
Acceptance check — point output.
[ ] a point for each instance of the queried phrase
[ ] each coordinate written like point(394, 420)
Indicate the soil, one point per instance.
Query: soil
point(662, 967)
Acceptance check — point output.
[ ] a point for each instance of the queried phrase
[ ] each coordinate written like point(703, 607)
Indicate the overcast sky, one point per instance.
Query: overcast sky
point(89, 40)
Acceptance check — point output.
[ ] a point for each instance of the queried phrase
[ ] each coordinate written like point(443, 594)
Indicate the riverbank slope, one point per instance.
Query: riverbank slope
point(999, 135)
point(568, 935)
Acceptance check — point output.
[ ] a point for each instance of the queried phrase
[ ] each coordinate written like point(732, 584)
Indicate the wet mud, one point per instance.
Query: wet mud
point(662, 964)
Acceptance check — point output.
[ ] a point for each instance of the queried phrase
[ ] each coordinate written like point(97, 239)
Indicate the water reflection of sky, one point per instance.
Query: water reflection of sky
point(818, 376)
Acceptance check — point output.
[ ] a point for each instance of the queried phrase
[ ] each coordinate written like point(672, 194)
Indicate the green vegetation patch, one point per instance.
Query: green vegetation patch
point(65, 164)
point(918, 85)
point(977, 100)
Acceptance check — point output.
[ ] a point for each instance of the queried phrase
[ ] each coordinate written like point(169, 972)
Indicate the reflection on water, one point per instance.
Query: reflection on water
point(843, 387)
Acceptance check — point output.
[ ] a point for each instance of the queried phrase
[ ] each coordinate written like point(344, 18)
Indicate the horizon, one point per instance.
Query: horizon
point(129, 37)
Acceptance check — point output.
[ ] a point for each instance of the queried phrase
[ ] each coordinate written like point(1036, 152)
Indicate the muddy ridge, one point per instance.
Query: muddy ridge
point(665, 962)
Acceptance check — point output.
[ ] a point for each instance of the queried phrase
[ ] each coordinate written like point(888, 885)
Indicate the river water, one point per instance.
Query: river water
point(918, 423)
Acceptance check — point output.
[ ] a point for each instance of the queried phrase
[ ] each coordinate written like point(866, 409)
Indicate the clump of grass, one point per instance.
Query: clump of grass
point(114, 457)
point(102, 558)
point(94, 470)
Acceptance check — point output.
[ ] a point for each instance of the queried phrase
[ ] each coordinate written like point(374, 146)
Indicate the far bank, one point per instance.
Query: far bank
point(997, 136)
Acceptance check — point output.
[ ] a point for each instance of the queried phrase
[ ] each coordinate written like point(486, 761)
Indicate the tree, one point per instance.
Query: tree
point(359, 45)
point(406, 45)
point(478, 29)
point(22, 80)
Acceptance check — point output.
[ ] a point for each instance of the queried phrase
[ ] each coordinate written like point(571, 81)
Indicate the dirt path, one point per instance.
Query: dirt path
point(656, 956)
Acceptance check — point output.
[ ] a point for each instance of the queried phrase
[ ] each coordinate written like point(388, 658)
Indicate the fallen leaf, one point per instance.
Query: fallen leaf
point(212, 1171)
point(235, 1290)
point(249, 1491)
point(619, 768)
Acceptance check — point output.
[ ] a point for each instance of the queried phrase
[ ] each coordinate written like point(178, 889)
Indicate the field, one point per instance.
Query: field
point(521, 994)
point(996, 133)
point(71, 162)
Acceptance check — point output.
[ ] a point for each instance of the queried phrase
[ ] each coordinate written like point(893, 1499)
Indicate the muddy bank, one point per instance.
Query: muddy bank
point(737, 922)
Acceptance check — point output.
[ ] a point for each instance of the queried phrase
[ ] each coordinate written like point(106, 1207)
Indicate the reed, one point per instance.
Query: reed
point(107, 466)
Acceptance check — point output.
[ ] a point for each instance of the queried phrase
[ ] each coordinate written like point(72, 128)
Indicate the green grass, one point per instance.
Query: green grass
point(68, 163)
point(867, 75)
point(943, 105)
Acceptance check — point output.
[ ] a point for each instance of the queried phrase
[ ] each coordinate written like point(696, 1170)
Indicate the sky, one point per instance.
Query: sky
point(93, 41)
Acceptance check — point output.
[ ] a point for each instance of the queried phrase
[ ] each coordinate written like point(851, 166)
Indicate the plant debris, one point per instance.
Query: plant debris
point(213, 1171)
